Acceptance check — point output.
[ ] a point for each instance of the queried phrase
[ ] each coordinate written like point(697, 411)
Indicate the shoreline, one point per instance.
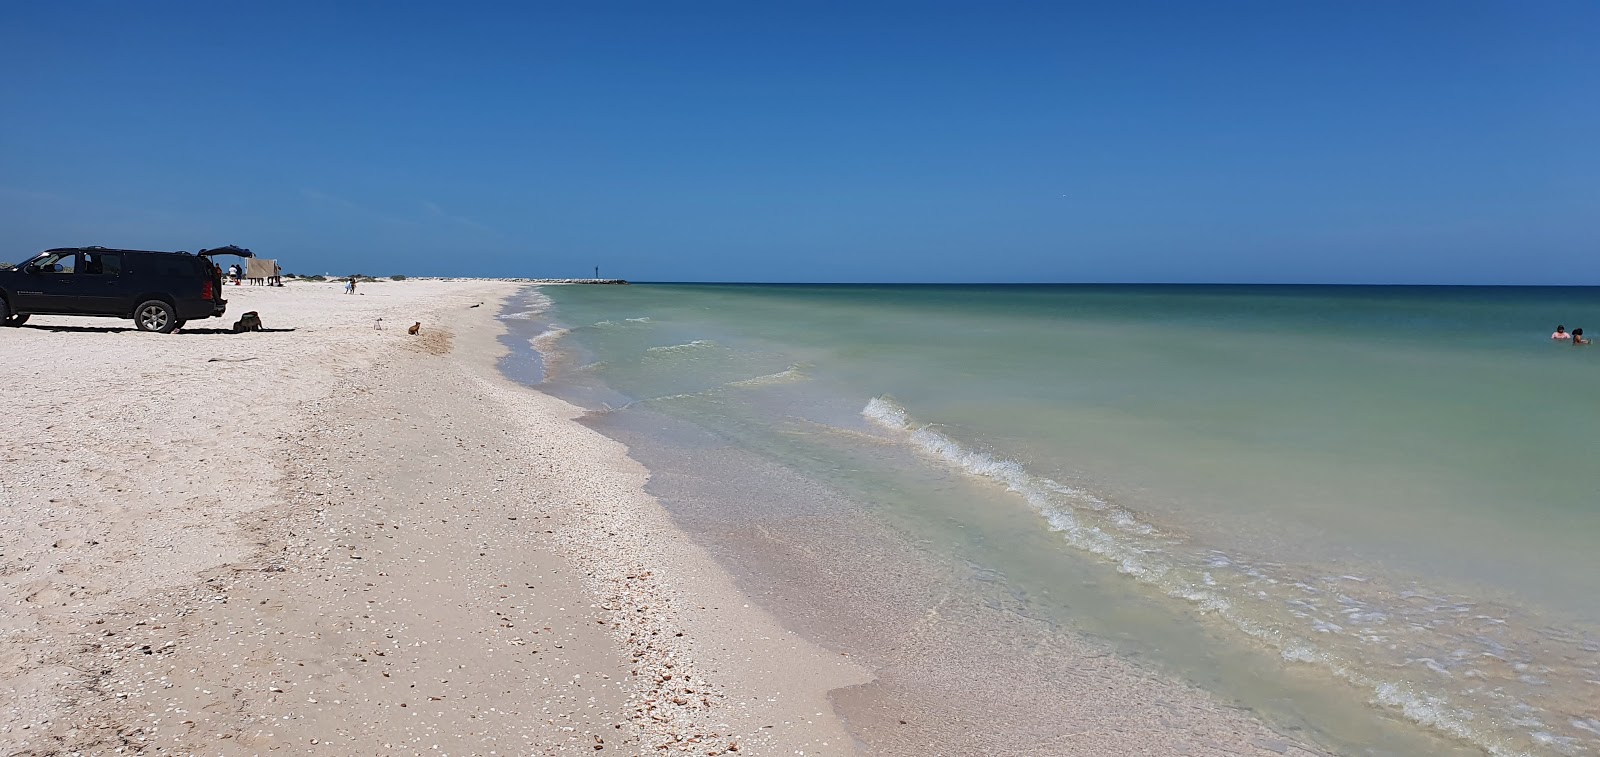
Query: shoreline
point(342, 538)
point(956, 672)
point(815, 510)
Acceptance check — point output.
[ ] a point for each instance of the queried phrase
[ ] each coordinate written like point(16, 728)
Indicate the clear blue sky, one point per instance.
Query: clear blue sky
point(1342, 141)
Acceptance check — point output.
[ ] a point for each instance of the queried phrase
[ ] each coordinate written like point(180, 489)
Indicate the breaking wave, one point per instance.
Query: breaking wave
point(607, 324)
point(537, 304)
point(697, 344)
point(548, 338)
point(792, 374)
point(787, 376)
point(1368, 641)
point(555, 360)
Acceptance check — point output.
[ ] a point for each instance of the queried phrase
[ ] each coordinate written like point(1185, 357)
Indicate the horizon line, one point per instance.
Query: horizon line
point(1114, 283)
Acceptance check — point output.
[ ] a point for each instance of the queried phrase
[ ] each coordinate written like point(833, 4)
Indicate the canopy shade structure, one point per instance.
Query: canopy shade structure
point(231, 249)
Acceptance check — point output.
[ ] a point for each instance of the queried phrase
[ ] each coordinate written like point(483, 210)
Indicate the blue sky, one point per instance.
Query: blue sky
point(1271, 141)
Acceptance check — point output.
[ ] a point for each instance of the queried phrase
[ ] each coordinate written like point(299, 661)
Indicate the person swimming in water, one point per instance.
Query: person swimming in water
point(1577, 337)
point(1561, 333)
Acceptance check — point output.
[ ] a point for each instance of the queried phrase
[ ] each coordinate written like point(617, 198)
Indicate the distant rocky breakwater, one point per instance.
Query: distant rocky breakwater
point(524, 281)
point(572, 281)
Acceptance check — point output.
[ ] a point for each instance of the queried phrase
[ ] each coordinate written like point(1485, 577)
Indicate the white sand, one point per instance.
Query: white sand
point(355, 540)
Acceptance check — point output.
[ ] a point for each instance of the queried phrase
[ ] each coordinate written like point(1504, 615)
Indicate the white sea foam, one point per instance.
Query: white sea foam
point(787, 376)
point(547, 345)
point(608, 323)
point(792, 374)
point(547, 338)
point(697, 344)
point(1053, 500)
point(1094, 525)
point(669, 397)
point(537, 305)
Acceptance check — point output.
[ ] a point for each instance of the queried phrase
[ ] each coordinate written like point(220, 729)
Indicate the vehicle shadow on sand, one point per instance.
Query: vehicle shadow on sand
point(118, 330)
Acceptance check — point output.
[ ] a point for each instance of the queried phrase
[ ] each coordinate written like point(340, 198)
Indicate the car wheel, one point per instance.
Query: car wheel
point(155, 315)
point(7, 319)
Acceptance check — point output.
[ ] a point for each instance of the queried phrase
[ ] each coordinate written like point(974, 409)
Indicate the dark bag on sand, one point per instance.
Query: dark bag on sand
point(250, 321)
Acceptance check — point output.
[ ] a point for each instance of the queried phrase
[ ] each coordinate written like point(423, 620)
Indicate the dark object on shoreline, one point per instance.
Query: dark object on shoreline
point(250, 321)
point(415, 327)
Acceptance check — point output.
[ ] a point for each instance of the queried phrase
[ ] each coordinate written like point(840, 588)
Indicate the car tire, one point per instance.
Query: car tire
point(155, 315)
point(7, 319)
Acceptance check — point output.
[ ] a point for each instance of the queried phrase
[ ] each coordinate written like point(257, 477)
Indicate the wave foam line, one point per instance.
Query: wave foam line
point(537, 303)
point(549, 337)
point(545, 344)
point(789, 375)
point(608, 323)
point(1036, 490)
point(1131, 560)
point(783, 377)
point(686, 347)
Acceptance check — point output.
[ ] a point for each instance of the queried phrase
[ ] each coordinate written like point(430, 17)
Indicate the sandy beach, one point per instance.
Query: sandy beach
point(339, 538)
point(350, 539)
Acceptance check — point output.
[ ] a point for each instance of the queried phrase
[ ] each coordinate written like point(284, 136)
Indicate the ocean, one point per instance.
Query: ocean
point(1364, 515)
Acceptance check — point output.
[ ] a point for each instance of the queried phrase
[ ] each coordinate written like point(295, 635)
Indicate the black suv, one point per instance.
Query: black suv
point(158, 290)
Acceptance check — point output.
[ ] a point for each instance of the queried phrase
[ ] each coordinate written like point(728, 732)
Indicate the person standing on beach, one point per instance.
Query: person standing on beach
point(350, 287)
point(1561, 333)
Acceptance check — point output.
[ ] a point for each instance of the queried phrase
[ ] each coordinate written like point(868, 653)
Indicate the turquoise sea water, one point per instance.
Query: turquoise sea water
point(1380, 500)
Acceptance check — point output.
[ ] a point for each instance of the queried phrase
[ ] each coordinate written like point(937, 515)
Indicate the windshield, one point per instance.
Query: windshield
point(17, 261)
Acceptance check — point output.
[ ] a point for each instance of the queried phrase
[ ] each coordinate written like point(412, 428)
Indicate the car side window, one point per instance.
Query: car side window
point(59, 262)
point(101, 264)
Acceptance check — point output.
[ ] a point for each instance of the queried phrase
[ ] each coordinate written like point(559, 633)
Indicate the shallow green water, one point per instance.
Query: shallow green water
point(1389, 486)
